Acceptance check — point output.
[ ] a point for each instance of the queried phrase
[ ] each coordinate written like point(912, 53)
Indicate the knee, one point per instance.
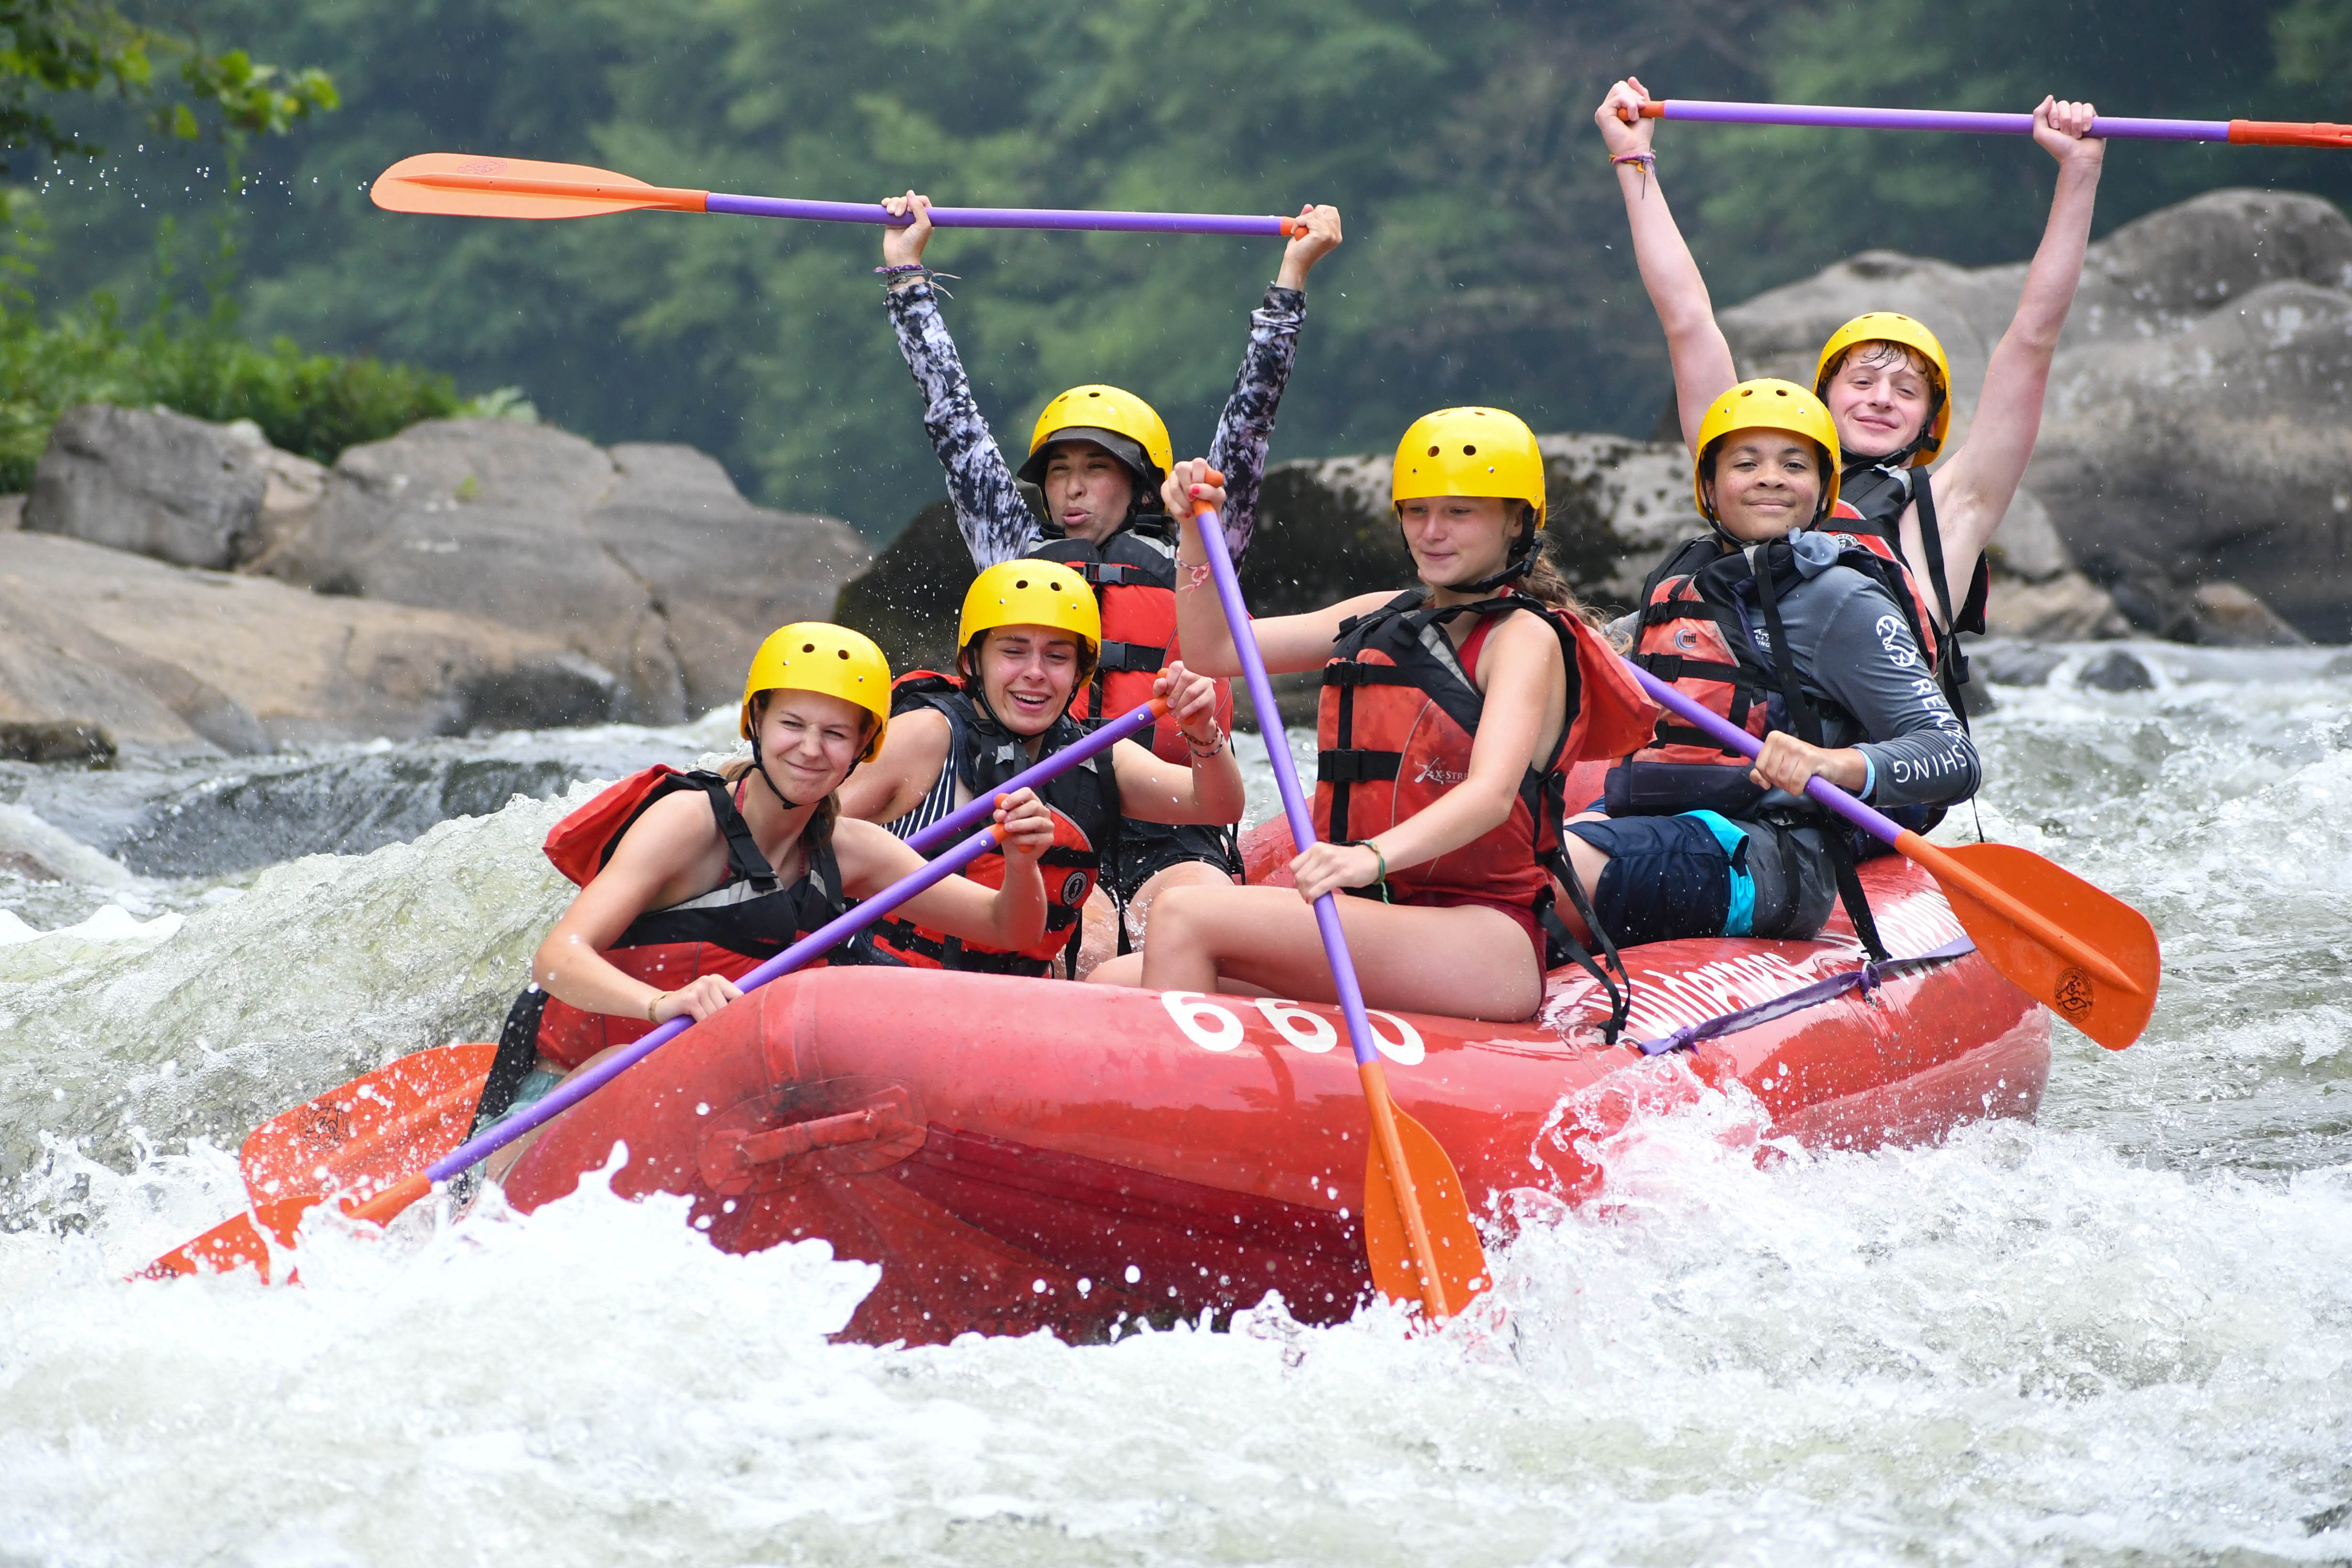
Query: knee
point(1183, 913)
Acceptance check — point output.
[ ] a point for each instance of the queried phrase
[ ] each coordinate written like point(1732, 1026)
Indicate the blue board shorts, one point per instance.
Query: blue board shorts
point(1698, 874)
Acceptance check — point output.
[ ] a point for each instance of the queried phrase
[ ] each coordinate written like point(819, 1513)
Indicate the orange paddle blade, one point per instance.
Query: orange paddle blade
point(465, 185)
point(374, 1129)
point(1453, 1237)
point(236, 1242)
point(2106, 937)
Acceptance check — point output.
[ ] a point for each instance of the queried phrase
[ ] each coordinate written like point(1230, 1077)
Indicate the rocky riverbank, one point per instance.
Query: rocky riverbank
point(173, 585)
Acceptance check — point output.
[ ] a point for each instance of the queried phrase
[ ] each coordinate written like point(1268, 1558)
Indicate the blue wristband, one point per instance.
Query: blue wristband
point(1869, 777)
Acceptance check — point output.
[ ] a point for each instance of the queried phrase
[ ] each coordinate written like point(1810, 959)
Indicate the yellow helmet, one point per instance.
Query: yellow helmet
point(817, 656)
point(1888, 327)
point(1469, 452)
point(1767, 404)
point(1033, 593)
point(1129, 427)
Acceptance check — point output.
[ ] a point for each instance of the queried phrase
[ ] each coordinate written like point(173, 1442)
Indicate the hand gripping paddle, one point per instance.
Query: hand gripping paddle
point(381, 1141)
point(464, 184)
point(2082, 953)
point(1418, 1233)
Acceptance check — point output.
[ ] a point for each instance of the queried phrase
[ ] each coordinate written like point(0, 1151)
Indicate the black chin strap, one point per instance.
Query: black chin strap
point(1808, 721)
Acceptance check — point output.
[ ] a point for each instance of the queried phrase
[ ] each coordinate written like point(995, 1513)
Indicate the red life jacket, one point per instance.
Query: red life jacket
point(981, 755)
point(1398, 715)
point(1692, 635)
point(1134, 576)
point(730, 930)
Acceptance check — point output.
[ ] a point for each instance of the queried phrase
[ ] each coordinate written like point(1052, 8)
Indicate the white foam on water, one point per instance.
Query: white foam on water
point(2122, 1336)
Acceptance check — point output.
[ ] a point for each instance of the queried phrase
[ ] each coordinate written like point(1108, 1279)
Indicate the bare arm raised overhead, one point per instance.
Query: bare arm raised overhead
point(1696, 345)
point(1975, 485)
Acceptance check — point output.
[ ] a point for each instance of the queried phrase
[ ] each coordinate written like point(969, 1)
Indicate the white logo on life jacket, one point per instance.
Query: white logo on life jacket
point(1074, 888)
point(1685, 639)
point(1432, 773)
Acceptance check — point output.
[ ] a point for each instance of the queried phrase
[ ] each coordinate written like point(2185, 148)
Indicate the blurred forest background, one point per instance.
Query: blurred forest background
point(1486, 258)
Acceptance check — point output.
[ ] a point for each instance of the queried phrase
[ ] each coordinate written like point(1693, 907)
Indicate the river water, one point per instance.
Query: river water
point(2121, 1335)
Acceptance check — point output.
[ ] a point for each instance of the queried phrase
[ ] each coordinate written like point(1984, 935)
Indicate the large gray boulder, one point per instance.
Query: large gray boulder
point(2194, 432)
point(722, 573)
point(149, 480)
point(644, 560)
point(123, 651)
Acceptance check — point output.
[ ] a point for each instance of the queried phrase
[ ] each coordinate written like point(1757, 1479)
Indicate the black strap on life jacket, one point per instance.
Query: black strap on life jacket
point(1880, 494)
point(1397, 629)
point(1129, 559)
point(1808, 723)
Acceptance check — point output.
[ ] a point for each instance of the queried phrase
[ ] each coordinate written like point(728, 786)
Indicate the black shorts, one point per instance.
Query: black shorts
point(1147, 848)
point(1699, 874)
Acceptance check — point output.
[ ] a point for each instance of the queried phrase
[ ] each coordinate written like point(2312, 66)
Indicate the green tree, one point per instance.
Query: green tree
point(53, 47)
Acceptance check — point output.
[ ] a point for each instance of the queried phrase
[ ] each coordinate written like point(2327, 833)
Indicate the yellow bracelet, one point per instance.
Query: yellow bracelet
point(653, 1002)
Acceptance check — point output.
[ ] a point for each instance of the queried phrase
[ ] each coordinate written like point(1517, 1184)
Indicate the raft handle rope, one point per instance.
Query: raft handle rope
point(1872, 975)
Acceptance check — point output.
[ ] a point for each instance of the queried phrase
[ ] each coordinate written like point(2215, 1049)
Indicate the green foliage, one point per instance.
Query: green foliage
point(198, 364)
point(49, 48)
point(1485, 257)
point(2314, 40)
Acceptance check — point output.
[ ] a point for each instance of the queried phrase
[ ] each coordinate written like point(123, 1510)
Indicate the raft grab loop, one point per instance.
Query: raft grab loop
point(1866, 979)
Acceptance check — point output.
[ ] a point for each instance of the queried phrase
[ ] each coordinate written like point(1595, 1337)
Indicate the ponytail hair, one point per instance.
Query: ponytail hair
point(1543, 582)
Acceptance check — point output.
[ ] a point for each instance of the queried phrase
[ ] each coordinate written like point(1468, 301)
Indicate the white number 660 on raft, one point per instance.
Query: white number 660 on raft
point(1213, 1026)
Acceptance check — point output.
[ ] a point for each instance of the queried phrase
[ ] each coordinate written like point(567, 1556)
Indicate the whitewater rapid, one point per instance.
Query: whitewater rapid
point(2123, 1334)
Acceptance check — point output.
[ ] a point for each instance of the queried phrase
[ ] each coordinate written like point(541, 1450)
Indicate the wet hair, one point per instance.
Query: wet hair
point(1886, 352)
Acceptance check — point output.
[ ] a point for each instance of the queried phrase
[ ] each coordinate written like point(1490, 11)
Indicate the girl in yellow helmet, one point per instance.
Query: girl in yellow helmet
point(1030, 635)
point(1099, 454)
point(1884, 376)
point(691, 880)
point(1450, 715)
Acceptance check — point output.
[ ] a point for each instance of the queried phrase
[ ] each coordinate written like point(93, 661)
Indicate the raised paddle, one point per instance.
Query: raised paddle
point(238, 1240)
point(356, 1140)
point(2081, 951)
point(2245, 132)
point(465, 184)
point(1418, 1233)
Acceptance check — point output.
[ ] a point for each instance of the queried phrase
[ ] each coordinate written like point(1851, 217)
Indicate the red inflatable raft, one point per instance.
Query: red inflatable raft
point(1018, 1154)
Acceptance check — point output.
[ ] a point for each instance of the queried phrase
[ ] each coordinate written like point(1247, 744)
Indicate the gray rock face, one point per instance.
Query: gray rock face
point(152, 481)
point(120, 650)
point(723, 573)
point(2194, 432)
point(645, 561)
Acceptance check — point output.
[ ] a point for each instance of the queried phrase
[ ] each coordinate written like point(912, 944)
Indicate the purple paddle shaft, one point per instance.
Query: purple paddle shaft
point(1286, 778)
point(1961, 121)
point(1876, 824)
point(996, 217)
point(581, 1085)
point(974, 813)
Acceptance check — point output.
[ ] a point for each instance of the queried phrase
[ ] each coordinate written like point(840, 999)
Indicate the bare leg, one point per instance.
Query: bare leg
point(1465, 963)
point(1101, 940)
point(1183, 874)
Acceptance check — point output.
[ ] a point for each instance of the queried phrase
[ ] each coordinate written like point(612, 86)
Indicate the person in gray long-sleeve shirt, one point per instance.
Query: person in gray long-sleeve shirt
point(1717, 848)
point(1101, 481)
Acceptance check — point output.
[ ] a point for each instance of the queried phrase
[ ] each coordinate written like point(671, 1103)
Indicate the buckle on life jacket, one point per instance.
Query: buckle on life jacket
point(1121, 656)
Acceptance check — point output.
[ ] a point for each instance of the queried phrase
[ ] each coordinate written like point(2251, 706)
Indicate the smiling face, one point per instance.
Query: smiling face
point(1087, 490)
point(1880, 397)
point(810, 741)
point(1458, 539)
point(1765, 483)
point(1028, 674)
